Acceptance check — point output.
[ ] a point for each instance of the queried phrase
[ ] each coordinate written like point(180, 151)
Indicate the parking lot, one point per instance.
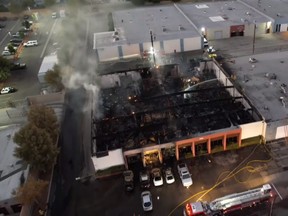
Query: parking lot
point(26, 81)
point(108, 197)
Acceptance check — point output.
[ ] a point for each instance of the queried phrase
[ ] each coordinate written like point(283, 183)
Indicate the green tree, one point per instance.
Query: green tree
point(54, 79)
point(11, 49)
point(138, 2)
point(44, 118)
point(4, 68)
point(35, 146)
point(15, 7)
point(50, 2)
point(31, 192)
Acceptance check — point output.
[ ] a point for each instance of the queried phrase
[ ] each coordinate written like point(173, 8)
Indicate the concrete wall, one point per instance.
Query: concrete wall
point(171, 45)
point(260, 29)
point(210, 33)
point(252, 129)
point(114, 158)
point(130, 50)
point(276, 130)
point(192, 43)
point(108, 53)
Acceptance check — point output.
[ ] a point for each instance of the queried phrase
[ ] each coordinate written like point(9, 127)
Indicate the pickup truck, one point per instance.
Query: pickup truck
point(185, 175)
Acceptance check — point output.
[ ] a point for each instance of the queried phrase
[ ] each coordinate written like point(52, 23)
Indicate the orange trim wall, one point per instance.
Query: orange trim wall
point(208, 138)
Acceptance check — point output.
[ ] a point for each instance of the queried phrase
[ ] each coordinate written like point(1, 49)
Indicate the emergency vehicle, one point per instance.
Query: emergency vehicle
point(229, 203)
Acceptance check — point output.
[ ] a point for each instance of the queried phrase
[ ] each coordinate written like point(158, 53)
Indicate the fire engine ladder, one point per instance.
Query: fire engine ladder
point(236, 199)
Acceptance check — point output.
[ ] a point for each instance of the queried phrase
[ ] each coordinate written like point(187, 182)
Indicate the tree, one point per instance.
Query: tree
point(50, 2)
point(54, 79)
point(11, 49)
point(26, 24)
point(15, 7)
point(138, 2)
point(44, 118)
point(35, 146)
point(4, 69)
point(31, 191)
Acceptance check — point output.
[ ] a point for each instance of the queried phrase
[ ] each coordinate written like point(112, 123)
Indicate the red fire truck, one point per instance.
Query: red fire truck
point(229, 203)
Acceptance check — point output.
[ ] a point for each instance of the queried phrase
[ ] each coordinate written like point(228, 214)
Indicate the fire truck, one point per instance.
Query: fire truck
point(224, 205)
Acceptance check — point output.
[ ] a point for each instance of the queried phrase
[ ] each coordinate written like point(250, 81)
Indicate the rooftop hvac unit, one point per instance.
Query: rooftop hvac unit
point(164, 29)
point(180, 28)
point(116, 38)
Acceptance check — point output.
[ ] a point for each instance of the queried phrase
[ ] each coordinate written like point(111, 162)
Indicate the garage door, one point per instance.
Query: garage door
point(283, 27)
point(218, 35)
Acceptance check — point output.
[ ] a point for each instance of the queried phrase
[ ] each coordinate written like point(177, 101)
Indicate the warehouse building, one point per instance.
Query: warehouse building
point(136, 29)
point(276, 9)
point(218, 20)
point(153, 114)
point(176, 28)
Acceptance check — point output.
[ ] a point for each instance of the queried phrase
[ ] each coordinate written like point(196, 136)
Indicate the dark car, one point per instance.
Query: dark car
point(26, 16)
point(17, 66)
point(128, 180)
point(144, 179)
point(2, 26)
point(16, 40)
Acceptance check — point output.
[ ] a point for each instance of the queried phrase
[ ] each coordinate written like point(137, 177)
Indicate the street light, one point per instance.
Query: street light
point(254, 36)
point(152, 44)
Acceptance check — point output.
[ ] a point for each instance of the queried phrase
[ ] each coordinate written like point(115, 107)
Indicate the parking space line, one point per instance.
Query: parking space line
point(277, 191)
point(4, 38)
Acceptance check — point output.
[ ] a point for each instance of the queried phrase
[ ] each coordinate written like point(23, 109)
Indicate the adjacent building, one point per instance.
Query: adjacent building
point(13, 172)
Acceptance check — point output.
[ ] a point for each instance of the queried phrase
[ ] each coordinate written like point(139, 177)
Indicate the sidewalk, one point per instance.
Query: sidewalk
point(11, 116)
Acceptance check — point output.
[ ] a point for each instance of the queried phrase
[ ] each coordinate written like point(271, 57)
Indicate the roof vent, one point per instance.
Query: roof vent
point(116, 38)
point(248, 13)
point(115, 33)
point(164, 29)
point(180, 28)
point(229, 8)
point(279, 15)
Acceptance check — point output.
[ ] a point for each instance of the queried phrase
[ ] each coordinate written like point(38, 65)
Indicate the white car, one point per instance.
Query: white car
point(169, 177)
point(30, 43)
point(157, 177)
point(7, 90)
point(146, 198)
point(6, 53)
point(7, 49)
point(185, 175)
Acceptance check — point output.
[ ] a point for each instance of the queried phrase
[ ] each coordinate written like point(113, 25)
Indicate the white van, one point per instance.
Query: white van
point(30, 43)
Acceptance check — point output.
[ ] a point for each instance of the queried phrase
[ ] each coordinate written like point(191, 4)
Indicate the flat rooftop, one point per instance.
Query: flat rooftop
point(155, 106)
point(273, 8)
point(264, 83)
point(12, 170)
point(221, 14)
point(137, 23)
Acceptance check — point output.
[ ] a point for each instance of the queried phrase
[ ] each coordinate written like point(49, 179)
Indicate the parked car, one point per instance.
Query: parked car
point(128, 180)
point(17, 66)
point(31, 43)
point(54, 15)
point(3, 18)
point(185, 175)
point(144, 179)
point(7, 90)
point(147, 203)
point(2, 26)
point(7, 49)
point(16, 40)
point(6, 53)
point(169, 177)
point(157, 177)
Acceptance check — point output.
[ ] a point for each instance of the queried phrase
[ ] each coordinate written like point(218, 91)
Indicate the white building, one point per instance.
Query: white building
point(13, 172)
point(135, 30)
point(177, 28)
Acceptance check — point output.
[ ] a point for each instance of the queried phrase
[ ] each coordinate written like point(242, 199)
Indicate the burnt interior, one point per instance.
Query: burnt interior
point(164, 105)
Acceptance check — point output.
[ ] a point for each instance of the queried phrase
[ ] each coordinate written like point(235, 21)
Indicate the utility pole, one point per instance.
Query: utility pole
point(153, 51)
point(254, 36)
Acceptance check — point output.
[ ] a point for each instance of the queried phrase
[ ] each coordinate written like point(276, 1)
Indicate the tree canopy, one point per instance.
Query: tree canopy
point(31, 191)
point(4, 68)
point(35, 146)
point(54, 79)
point(44, 118)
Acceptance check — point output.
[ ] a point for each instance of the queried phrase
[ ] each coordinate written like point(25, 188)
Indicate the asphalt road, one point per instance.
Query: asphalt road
point(108, 197)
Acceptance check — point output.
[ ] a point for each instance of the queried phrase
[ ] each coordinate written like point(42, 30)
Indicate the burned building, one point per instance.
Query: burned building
point(156, 113)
